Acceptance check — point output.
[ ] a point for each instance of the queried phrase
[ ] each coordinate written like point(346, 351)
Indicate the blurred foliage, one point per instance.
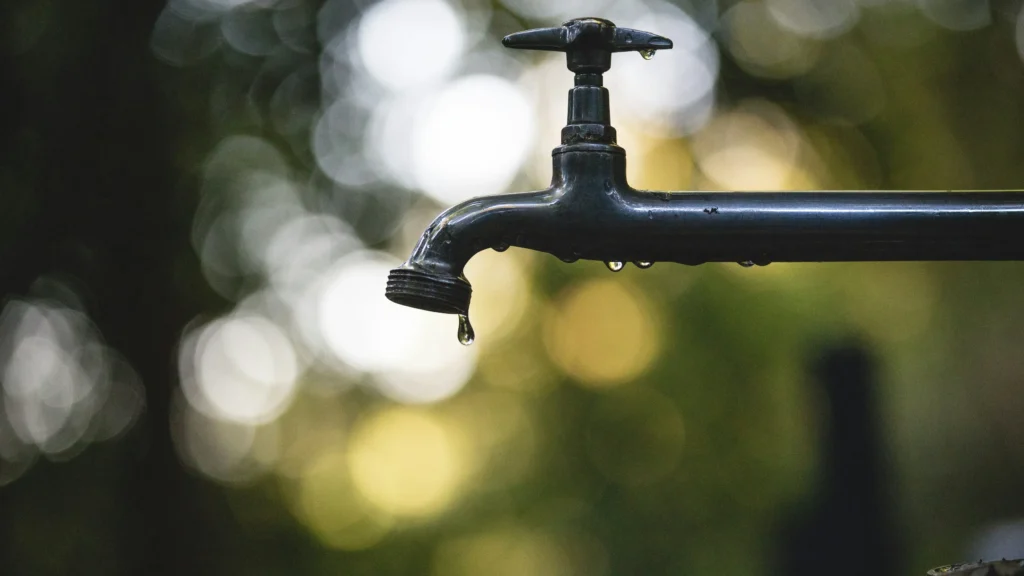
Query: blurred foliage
point(206, 181)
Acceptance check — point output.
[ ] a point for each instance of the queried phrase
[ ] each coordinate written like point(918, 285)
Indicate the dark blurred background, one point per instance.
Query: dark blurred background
point(200, 200)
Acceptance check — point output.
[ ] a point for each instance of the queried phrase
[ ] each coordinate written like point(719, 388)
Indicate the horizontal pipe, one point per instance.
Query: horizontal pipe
point(694, 227)
point(599, 220)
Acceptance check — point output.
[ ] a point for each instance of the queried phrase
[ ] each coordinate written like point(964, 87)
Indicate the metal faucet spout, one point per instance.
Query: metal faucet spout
point(432, 279)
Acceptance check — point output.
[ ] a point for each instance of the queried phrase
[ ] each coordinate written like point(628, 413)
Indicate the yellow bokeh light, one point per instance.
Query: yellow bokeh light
point(332, 509)
point(602, 333)
point(659, 164)
point(406, 462)
point(507, 551)
point(755, 147)
point(501, 433)
point(500, 292)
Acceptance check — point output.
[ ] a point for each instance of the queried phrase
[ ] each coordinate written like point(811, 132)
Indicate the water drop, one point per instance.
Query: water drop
point(615, 266)
point(643, 264)
point(746, 263)
point(501, 247)
point(466, 334)
point(647, 53)
point(569, 259)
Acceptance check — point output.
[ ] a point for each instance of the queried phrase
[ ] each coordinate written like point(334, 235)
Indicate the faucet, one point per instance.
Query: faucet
point(590, 211)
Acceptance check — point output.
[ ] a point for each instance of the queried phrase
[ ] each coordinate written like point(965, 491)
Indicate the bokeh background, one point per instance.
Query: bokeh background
point(200, 200)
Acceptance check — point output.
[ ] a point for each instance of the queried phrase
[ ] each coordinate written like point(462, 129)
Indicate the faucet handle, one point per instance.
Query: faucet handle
point(588, 43)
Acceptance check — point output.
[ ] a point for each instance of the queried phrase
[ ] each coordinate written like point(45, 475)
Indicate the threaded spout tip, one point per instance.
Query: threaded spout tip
point(429, 291)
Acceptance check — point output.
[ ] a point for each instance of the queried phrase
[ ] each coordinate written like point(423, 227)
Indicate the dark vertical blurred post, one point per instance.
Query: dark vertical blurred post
point(845, 528)
point(99, 204)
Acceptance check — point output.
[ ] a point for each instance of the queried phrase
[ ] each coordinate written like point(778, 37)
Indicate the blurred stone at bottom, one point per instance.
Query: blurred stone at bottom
point(998, 568)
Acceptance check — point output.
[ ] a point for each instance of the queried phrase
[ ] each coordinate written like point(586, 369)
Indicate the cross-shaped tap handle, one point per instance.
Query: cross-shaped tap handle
point(588, 43)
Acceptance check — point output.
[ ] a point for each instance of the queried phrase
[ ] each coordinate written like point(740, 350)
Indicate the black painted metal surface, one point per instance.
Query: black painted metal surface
point(590, 211)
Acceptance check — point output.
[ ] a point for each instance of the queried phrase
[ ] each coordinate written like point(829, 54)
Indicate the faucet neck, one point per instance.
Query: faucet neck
point(589, 119)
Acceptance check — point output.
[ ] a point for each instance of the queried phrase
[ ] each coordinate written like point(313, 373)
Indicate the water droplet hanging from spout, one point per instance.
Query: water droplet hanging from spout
point(746, 263)
point(466, 334)
point(615, 266)
point(643, 264)
point(501, 247)
point(647, 53)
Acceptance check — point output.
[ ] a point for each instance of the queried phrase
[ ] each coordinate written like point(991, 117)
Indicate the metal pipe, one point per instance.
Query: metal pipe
point(764, 227)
